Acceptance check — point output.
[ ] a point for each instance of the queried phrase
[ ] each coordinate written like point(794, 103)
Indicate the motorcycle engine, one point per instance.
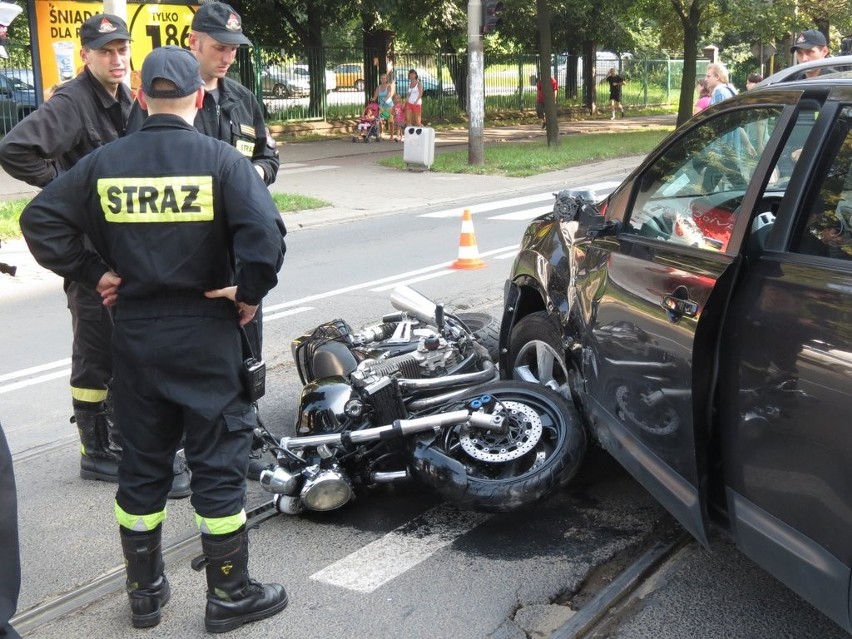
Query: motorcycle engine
point(432, 358)
point(375, 377)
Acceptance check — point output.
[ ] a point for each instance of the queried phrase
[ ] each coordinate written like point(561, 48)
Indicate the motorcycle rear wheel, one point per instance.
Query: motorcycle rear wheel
point(486, 328)
point(507, 472)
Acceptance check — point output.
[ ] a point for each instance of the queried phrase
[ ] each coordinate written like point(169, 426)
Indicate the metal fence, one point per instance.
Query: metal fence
point(334, 84)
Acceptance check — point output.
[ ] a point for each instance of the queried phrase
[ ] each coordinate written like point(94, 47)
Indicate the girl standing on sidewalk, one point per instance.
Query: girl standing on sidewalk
point(397, 121)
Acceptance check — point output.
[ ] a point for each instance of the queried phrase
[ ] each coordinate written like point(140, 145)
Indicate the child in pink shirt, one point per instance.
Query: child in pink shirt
point(397, 120)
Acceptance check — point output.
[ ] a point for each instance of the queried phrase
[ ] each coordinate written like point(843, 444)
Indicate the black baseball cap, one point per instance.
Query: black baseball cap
point(101, 29)
point(220, 22)
point(174, 64)
point(808, 40)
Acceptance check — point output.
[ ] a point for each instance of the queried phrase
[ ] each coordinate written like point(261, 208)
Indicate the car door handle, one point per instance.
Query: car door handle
point(679, 305)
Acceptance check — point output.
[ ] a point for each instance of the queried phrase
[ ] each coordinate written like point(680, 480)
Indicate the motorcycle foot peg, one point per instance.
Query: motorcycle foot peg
point(288, 504)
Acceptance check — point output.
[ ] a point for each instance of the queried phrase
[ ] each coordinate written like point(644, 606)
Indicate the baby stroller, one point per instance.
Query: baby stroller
point(369, 126)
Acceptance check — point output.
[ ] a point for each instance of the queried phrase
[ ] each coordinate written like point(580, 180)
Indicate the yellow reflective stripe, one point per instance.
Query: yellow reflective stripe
point(180, 198)
point(91, 395)
point(139, 523)
point(221, 525)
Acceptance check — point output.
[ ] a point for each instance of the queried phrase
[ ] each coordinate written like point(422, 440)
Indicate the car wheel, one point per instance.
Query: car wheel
point(280, 91)
point(536, 354)
point(359, 85)
point(430, 93)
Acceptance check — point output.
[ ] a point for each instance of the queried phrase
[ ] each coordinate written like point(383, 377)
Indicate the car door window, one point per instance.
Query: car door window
point(691, 193)
point(826, 226)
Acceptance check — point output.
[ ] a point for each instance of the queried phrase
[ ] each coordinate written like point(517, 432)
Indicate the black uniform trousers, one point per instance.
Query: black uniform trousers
point(10, 558)
point(177, 371)
point(91, 354)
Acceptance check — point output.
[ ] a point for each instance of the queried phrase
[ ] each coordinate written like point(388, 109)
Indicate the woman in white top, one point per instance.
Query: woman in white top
point(414, 99)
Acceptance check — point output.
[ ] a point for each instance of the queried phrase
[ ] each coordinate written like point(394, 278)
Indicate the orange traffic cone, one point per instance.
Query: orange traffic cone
point(468, 252)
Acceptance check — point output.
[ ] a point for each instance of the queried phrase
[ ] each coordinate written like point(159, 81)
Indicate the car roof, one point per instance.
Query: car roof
point(790, 74)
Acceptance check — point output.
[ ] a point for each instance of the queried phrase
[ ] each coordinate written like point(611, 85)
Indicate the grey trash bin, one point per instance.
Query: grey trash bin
point(419, 146)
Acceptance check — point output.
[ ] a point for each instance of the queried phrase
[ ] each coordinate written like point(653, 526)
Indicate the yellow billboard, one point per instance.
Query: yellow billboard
point(55, 32)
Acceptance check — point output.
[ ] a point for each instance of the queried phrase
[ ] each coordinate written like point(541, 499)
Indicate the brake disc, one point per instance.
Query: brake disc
point(524, 433)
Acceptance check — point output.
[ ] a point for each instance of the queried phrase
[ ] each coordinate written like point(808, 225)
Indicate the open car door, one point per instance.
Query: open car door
point(652, 296)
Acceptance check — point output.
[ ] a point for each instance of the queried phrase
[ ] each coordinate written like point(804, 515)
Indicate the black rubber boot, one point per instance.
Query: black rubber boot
point(233, 598)
point(180, 480)
point(98, 459)
point(147, 586)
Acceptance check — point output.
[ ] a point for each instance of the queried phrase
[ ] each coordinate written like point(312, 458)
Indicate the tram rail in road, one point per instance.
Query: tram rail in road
point(113, 580)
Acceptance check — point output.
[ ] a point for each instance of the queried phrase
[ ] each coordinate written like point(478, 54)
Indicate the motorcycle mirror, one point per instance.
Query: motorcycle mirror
point(405, 298)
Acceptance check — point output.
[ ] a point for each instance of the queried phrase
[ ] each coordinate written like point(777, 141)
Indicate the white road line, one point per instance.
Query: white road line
point(490, 206)
point(35, 380)
point(383, 280)
point(526, 214)
point(292, 311)
point(35, 369)
point(428, 276)
point(507, 256)
point(377, 563)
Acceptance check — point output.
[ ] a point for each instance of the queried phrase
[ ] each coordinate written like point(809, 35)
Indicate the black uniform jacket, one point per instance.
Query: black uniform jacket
point(237, 119)
point(78, 118)
point(170, 210)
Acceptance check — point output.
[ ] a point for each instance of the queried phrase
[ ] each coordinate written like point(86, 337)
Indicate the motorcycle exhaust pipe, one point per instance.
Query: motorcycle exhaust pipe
point(405, 298)
point(389, 477)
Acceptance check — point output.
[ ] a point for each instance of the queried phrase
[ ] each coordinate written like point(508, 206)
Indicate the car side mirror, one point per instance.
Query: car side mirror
point(599, 226)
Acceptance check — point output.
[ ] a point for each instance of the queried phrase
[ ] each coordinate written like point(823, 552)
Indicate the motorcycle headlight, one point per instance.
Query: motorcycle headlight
point(326, 490)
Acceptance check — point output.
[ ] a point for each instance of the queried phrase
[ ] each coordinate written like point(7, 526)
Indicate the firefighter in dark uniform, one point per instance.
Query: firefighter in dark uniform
point(231, 112)
point(170, 214)
point(82, 115)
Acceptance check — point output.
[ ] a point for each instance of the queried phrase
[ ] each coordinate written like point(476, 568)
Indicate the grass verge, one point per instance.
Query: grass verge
point(522, 159)
point(10, 210)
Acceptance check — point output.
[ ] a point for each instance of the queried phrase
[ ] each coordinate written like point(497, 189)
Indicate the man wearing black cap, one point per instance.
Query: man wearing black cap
point(171, 214)
point(82, 115)
point(810, 45)
point(230, 112)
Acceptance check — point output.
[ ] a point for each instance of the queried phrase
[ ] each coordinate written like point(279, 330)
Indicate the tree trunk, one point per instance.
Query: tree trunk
point(545, 72)
point(687, 87)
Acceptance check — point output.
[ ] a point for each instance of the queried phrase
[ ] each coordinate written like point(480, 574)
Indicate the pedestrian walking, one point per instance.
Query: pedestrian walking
point(539, 100)
point(186, 241)
point(703, 100)
point(82, 115)
point(615, 82)
point(718, 83)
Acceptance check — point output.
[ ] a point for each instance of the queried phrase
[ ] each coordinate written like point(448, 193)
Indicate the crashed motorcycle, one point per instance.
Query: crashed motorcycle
point(417, 396)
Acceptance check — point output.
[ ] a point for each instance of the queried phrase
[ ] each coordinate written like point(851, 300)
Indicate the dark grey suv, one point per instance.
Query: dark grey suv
point(700, 318)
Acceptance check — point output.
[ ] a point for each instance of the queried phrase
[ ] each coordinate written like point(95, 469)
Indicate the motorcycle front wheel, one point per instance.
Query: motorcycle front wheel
point(542, 451)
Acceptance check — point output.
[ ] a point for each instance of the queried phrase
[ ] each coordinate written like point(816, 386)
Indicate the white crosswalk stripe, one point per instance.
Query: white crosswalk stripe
point(525, 207)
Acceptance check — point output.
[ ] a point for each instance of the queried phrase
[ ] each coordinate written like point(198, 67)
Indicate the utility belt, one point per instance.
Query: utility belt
point(174, 306)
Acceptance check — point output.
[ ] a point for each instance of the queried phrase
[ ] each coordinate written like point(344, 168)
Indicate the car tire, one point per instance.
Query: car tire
point(536, 354)
point(359, 85)
point(280, 91)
